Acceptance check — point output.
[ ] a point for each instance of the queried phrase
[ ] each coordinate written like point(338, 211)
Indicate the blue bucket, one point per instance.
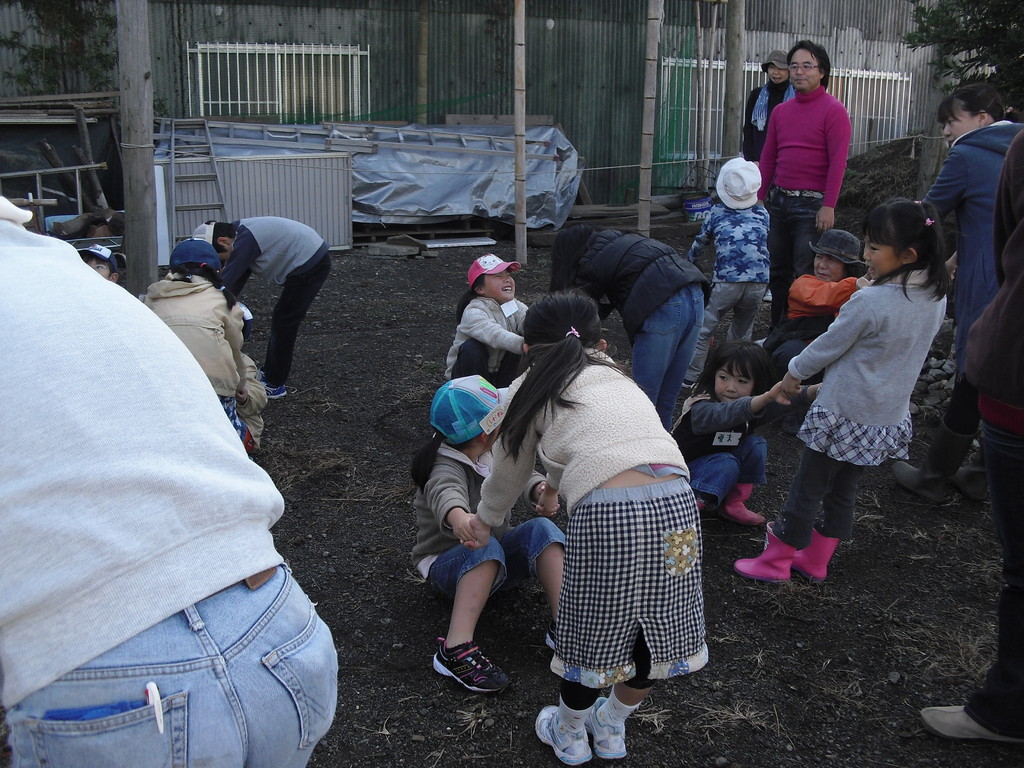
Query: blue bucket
point(697, 206)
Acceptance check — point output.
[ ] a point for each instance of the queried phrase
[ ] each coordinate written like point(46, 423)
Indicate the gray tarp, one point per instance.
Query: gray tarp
point(423, 173)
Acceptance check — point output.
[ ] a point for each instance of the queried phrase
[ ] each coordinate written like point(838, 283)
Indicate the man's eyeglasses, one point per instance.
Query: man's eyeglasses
point(806, 67)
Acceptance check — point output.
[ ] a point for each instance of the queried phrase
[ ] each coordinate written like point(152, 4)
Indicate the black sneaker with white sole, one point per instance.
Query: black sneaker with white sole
point(466, 664)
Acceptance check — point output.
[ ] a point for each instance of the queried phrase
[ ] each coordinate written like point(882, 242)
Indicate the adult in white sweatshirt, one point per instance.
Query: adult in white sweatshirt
point(145, 610)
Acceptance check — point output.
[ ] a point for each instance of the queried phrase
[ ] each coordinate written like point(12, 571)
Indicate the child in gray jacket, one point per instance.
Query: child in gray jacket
point(489, 337)
point(449, 471)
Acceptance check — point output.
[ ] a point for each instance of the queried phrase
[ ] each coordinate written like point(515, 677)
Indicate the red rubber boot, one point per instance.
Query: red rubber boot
point(812, 561)
point(771, 565)
point(734, 508)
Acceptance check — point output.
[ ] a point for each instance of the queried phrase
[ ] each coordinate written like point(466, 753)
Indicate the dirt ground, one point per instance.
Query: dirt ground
point(831, 674)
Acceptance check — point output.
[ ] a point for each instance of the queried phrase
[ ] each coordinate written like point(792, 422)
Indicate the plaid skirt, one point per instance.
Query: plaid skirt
point(866, 445)
point(632, 565)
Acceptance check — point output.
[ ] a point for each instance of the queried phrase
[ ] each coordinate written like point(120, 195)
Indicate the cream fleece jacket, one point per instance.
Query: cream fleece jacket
point(613, 427)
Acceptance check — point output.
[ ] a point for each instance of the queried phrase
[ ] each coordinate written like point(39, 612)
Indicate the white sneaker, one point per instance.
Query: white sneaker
point(954, 723)
point(609, 740)
point(571, 747)
point(767, 296)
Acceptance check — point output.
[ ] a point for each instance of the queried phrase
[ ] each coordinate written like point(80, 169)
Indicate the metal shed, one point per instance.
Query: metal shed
point(313, 189)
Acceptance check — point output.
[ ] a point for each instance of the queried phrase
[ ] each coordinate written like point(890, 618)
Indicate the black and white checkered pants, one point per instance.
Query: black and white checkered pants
point(632, 565)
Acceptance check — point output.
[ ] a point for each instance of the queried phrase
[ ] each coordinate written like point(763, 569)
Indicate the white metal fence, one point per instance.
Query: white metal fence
point(878, 103)
point(294, 83)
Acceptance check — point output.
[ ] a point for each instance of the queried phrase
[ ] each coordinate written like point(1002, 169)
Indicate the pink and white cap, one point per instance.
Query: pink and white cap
point(489, 264)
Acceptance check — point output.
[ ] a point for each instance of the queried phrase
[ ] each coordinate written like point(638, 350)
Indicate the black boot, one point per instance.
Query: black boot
point(971, 478)
point(945, 454)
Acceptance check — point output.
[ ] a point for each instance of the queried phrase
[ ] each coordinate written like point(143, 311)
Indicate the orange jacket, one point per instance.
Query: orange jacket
point(810, 296)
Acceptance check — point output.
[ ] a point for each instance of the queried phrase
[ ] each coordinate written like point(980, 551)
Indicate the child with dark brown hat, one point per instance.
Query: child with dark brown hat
point(815, 299)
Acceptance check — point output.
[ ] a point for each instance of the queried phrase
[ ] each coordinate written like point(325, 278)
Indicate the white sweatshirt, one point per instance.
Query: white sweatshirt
point(125, 494)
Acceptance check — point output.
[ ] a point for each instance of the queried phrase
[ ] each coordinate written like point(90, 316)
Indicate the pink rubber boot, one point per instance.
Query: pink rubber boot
point(771, 565)
point(735, 510)
point(812, 561)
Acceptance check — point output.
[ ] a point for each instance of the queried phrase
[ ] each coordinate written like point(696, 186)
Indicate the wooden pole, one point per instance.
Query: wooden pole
point(137, 143)
point(732, 114)
point(519, 112)
point(86, 158)
point(422, 63)
point(933, 148)
point(66, 180)
point(655, 16)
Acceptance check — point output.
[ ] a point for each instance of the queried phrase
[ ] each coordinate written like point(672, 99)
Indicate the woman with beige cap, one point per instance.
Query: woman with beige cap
point(762, 101)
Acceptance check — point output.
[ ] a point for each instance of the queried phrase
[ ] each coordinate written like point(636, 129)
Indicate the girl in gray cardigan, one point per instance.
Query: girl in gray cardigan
point(871, 356)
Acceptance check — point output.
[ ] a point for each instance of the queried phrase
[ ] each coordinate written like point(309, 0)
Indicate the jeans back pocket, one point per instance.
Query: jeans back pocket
point(123, 740)
point(308, 668)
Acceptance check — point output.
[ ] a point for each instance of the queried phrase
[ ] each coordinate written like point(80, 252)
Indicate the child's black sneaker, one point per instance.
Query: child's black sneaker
point(470, 667)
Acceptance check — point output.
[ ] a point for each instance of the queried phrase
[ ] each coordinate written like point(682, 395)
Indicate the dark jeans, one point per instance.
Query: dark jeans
point(289, 312)
point(998, 706)
point(793, 229)
point(820, 483)
point(474, 357)
point(962, 415)
point(785, 352)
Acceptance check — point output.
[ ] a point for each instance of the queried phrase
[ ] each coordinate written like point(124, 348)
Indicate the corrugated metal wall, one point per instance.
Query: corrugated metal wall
point(313, 189)
point(584, 57)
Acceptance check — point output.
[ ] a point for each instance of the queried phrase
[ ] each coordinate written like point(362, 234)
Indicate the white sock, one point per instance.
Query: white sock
point(614, 712)
point(571, 719)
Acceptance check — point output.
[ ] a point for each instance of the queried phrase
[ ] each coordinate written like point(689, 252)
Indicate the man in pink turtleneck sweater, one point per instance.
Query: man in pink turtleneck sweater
point(802, 166)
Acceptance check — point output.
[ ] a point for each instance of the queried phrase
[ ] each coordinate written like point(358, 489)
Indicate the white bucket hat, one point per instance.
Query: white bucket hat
point(738, 183)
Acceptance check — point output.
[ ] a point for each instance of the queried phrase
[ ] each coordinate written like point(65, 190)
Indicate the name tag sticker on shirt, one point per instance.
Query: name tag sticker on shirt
point(509, 308)
point(727, 438)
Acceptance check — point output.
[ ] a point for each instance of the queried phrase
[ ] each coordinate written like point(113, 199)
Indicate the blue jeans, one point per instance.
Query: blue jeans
point(793, 229)
point(663, 347)
point(717, 473)
point(289, 312)
point(245, 678)
point(822, 495)
point(998, 705)
point(516, 553)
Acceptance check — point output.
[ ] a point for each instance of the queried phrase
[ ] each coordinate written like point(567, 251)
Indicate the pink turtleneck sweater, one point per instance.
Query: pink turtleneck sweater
point(806, 146)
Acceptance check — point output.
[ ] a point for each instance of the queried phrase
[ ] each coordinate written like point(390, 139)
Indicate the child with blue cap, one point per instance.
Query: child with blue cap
point(208, 319)
point(449, 471)
point(102, 259)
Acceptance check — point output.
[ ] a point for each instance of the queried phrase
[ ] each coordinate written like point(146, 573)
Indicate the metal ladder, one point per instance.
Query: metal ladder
point(195, 180)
